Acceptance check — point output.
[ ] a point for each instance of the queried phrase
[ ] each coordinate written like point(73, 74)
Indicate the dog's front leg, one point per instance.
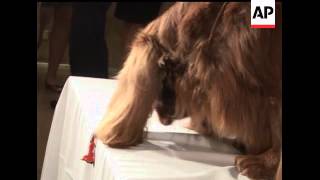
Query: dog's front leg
point(263, 165)
point(139, 84)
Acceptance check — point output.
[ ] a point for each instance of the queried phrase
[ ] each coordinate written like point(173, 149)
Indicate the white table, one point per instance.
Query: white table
point(170, 152)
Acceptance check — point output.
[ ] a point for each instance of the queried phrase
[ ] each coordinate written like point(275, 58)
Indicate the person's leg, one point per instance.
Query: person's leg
point(59, 38)
point(136, 15)
point(38, 22)
point(129, 33)
point(88, 51)
point(46, 13)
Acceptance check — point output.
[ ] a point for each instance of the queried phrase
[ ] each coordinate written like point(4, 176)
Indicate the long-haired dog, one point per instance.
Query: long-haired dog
point(203, 60)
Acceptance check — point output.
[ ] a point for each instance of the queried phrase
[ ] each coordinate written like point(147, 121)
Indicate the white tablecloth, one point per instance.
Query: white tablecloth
point(170, 152)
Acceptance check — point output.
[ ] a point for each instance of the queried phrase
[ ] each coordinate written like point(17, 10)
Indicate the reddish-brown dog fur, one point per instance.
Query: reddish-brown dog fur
point(231, 84)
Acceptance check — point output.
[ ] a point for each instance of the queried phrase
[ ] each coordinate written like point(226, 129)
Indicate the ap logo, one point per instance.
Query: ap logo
point(263, 13)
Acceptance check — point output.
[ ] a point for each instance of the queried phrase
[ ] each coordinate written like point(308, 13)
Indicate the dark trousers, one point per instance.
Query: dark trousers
point(88, 51)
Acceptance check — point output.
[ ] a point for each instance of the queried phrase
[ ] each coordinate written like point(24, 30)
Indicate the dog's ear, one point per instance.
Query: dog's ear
point(138, 87)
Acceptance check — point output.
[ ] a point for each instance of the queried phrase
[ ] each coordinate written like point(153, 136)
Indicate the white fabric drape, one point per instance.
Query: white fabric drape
point(170, 152)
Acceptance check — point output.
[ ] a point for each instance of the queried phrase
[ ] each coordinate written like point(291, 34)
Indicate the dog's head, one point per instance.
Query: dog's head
point(165, 104)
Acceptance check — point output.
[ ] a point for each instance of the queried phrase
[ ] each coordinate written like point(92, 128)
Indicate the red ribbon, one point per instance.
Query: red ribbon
point(90, 157)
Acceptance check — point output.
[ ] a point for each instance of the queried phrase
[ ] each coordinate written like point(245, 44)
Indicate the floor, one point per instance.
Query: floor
point(44, 111)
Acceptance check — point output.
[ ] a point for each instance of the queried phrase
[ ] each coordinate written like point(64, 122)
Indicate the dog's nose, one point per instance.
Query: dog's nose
point(165, 121)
